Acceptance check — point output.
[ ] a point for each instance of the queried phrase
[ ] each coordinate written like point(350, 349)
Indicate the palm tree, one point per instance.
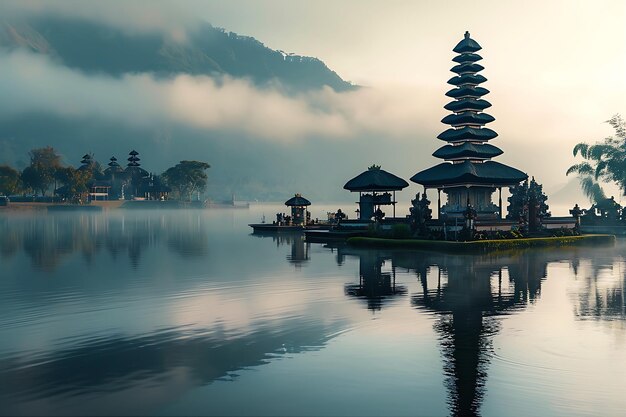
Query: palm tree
point(604, 161)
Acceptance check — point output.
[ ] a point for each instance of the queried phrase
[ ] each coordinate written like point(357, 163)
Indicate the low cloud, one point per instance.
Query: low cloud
point(170, 18)
point(393, 124)
point(34, 83)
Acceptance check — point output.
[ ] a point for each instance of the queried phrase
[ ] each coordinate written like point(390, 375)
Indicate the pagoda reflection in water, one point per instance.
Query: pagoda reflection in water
point(468, 294)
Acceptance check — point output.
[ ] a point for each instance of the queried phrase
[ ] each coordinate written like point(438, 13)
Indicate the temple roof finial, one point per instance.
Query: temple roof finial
point(467, 35)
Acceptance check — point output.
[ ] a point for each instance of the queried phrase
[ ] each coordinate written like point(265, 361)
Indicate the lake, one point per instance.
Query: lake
point(186, 313)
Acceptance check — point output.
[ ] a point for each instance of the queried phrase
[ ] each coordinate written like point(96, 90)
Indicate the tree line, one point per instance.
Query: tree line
point(47, 173)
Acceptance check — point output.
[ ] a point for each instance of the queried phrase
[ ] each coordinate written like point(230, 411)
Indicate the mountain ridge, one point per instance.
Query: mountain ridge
point(97, 48)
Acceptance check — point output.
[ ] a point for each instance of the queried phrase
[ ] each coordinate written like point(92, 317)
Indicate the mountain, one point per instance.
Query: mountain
point(565, 194)
point(240, 162)
point(96, 48)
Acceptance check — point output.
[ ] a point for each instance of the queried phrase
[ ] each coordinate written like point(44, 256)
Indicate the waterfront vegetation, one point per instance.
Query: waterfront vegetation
point(481, 245)
point(47, 175)
point(603, 161)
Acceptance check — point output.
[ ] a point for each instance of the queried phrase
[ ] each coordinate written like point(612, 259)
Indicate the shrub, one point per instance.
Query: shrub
point(401, 231)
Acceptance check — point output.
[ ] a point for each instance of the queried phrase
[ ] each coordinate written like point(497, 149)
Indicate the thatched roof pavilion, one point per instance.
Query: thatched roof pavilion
point(379, 183)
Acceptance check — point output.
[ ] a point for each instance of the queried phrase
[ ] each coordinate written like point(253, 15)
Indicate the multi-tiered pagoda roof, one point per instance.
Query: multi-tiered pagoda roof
point(467, 156)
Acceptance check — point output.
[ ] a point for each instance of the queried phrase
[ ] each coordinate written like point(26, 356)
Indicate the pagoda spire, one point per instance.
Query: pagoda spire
point(468, 173)
point(133, 159)
point(467, 133)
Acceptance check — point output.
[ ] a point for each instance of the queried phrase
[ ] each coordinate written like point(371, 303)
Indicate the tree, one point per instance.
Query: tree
point(43, 165)
point(605, 161)
point(75, 183)
point(10, 182)
point(187, 178)
point(33, 179)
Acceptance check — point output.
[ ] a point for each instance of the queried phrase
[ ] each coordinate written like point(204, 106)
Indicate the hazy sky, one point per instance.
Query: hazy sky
point(556, 69)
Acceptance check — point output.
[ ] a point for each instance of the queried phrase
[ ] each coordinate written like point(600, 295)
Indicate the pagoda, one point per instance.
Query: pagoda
point(114, 166)
point(468, 176)
point(133, 159)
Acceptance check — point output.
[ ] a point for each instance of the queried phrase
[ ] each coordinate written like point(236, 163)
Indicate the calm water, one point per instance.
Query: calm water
point(185, 312)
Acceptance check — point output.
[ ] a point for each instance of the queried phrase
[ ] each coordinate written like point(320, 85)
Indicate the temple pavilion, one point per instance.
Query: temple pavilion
point(375, 187)
point(468, 174)
point(299, 214)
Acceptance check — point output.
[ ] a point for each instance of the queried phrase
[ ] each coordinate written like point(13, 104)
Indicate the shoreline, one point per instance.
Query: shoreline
point(26, 207)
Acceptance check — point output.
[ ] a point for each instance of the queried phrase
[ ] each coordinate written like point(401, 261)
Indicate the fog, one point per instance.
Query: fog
point(549, 90)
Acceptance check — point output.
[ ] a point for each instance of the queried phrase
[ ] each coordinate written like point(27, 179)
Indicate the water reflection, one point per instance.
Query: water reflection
point(375, 285)
point(469, 295)
point(73, 345)
point(121, 363)
point(47, 240)
point(299, 254)
point(601, 293)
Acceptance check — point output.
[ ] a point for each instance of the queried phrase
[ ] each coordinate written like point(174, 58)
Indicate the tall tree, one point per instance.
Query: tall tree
point(10, 182)
point(43, 165)
point(187, 178)
point(605, 161)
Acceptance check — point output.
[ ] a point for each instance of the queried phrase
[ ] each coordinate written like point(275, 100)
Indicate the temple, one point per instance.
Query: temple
point(468, 176)
point(375, 187)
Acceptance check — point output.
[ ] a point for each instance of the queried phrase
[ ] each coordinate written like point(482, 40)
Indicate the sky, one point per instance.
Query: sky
point(556, 71)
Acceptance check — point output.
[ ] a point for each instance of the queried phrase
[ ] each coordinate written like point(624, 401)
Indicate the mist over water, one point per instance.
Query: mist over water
point(187, 313)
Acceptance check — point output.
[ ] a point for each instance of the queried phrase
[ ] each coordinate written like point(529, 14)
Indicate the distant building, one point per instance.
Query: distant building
point(468, 176)
point(99, 190)
point(116, 178)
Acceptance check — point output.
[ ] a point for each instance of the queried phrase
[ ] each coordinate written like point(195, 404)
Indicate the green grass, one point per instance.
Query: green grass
point(481, 245)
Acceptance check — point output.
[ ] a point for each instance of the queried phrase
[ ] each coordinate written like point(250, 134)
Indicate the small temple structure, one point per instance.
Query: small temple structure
point(376, 187)
point(299, 214)
point(468, 176)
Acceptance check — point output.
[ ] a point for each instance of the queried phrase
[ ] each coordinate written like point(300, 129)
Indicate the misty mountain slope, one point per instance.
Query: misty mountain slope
point(253, 164)
point(96, 48)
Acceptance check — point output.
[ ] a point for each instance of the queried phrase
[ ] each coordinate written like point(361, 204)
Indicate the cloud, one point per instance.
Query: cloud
point(132, 16)
point(35, 83)
point(392, 124)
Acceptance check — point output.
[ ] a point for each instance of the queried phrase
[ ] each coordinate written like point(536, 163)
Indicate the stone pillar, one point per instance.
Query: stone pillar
point(438, 203)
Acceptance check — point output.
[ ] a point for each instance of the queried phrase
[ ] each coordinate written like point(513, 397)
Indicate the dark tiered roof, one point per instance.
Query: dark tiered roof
point(376, 179)
point(114, 167)
point(469, 173)
point(467, 117)
point(467, 45)
point(468, 136)
point(467, 79)
point(469, 57)
point(467, 68)
point(297, 200)
point(467, 150)
point(467, 104)
point(467, 92)
point(467, 133)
